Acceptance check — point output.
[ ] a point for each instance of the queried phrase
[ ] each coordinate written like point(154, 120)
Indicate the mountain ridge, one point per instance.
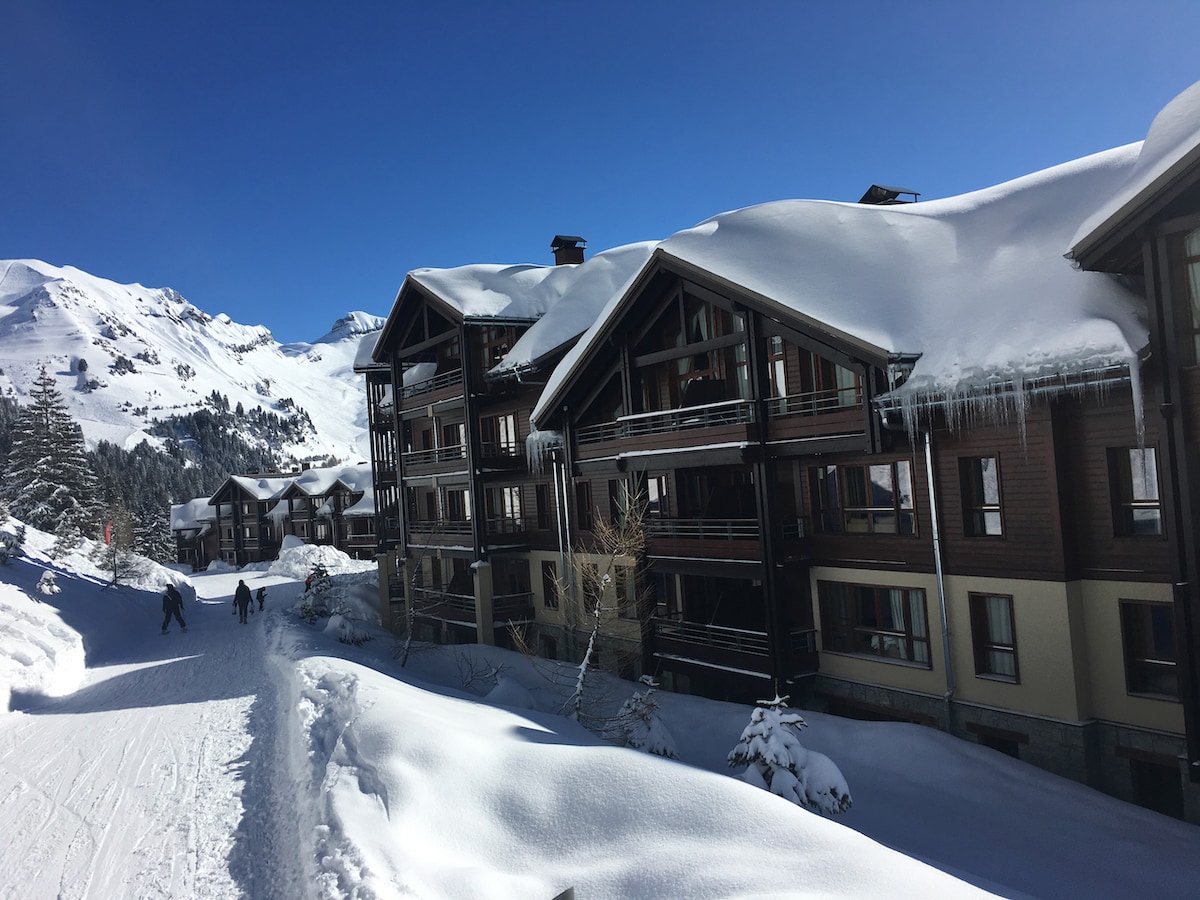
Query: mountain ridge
point(125, 356)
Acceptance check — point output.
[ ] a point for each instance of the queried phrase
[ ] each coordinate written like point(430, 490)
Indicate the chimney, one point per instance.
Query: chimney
point(568, 249)
point(882, 195)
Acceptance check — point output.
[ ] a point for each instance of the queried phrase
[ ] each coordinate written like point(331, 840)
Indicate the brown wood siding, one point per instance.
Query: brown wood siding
point(669, 440)
point(798, 427)
point(1091, 427)
point(1032, 543)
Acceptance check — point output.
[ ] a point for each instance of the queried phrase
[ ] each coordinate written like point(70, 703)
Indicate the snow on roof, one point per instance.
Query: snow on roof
point(192, 514)
point(1172, 144)
point(363, 355)
point(584, 289)
point(488, 290)
point(315, 482)
point(976, 284)
point(267, 487)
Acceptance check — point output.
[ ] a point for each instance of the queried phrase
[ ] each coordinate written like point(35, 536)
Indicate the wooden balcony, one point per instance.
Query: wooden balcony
point(432, 603)
point(439, 388)
point(711, 538)
point(427, 462)
point(816, 414)
point(736, 649)
point(712, 645)
point(731, 421)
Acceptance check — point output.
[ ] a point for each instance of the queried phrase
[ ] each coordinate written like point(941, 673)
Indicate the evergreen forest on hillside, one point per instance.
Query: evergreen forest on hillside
point(52, 482)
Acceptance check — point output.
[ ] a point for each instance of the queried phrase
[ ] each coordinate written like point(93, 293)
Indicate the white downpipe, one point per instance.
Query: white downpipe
point(940, 577)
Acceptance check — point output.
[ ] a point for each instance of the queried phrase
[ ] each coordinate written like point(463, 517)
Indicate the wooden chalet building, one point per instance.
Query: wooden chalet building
point(247, 518)
point(899, 461)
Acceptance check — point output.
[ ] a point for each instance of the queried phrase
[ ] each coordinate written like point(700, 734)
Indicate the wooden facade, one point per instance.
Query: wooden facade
point(1020, 572)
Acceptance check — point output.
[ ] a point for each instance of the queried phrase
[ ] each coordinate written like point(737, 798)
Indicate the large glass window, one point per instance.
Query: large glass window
point(980, 481)
point(993, 633)
point(1133, 480)
point(1148, 637)
point(1191, 282)
point(865, 499)
point(871, 620)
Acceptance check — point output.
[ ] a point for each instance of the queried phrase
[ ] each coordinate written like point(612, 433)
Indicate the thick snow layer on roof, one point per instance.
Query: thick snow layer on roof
point(1172, 141)
point(315, 482)
point(583, 291)
point(260, 488)
point(489, 290)
point(192, 514)
point(976, 284)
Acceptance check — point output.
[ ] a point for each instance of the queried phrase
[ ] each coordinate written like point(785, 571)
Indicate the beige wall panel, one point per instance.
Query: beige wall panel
point(1052, 680)
point(1110, 700)
point(903, 676)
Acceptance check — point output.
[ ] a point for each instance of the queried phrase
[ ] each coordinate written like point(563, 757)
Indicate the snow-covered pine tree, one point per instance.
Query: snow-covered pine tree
point(639, 726)
point(48, 483)
point(776, 760)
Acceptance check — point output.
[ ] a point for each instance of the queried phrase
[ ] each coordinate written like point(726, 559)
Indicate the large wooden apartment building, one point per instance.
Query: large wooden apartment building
point(899, 461)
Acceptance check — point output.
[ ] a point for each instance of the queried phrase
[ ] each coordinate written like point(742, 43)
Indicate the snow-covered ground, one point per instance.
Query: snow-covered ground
point(271, 760)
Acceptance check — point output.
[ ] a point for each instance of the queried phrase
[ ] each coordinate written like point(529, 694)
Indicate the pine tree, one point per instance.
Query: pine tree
point(116, 554)
point(776, 760)
point(48, 483)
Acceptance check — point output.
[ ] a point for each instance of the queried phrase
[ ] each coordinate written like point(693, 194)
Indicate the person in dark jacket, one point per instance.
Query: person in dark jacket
point(173, 606)
point(261, 597)
point(241, 601)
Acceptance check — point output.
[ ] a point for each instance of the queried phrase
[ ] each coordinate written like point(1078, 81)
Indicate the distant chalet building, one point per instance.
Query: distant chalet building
point(247, 518)
point(898, 460)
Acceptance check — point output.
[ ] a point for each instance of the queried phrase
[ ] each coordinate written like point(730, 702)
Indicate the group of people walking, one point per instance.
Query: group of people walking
point(242, 604)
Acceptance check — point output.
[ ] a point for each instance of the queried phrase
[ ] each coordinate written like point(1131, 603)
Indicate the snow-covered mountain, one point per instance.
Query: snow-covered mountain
point(125, 355)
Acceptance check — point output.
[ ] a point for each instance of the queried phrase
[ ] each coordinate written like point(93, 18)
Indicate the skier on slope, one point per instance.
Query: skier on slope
point(173, 606)
point(261, 597)
point(241, 601)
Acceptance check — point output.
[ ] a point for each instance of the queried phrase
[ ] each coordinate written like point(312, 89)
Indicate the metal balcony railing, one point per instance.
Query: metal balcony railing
point(513, 606)
point(508, 525)
point(703, 529)
point(815, 403)
point(436, 455)
point(446, 379)
point(439, 526)
point(729, 412)
point(427, 597)
point(719, 636)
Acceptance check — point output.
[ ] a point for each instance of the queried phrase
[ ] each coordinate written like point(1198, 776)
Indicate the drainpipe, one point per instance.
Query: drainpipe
point(941, 583)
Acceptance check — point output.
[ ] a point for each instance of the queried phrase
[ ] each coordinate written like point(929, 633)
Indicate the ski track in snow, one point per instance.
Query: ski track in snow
point(173, 794)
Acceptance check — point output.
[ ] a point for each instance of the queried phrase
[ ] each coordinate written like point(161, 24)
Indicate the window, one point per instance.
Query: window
point(993, 632)
point(979, 478)
point(549, 586)
point(873, 499)
point(870, 620)
point(625, 585)
point(583, 505)
point(543, 506)
point(1133, 480)
point(1190, 273)
point(498, 435)
point(1148, 637)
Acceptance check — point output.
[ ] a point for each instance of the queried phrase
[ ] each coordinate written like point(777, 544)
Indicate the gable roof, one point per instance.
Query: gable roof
point(1171, 150)
point(974, 285)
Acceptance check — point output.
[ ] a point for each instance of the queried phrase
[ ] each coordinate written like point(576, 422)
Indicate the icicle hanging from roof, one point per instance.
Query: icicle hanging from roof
point(539, 446)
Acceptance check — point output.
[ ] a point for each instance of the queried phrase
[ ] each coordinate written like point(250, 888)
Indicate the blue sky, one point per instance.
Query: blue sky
point(288, 162)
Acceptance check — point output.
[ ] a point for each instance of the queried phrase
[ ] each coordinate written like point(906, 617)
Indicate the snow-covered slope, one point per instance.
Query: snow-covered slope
point(175, 356)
